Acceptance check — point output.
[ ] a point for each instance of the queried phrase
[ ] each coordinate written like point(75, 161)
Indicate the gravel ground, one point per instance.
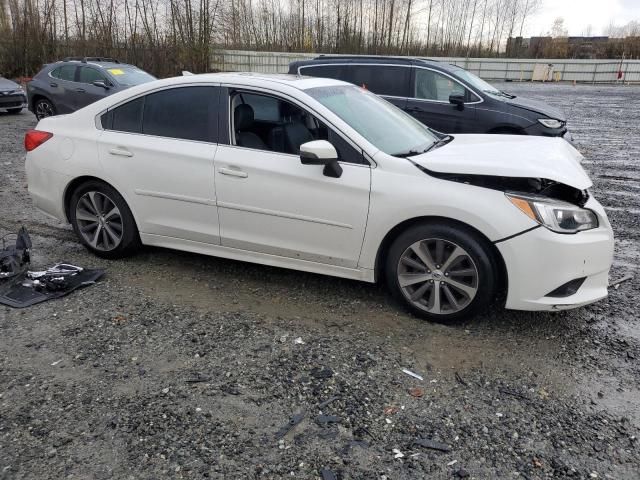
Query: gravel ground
point(177, 365)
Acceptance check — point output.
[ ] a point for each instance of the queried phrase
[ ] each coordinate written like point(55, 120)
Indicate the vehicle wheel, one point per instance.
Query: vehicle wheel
point(44, 108)
point(102, 220)
point(441, 272)
point(14, 111)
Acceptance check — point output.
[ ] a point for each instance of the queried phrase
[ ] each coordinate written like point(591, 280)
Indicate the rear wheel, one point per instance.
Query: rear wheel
point(44, 108)
point(102, 220)
point(441, 272)
point(14, 110)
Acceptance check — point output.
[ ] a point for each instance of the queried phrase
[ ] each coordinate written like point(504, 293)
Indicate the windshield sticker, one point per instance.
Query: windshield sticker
point(115, 71)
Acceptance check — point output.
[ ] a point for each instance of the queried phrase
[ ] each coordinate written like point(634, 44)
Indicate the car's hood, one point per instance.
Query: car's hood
point(538, 107)
point(6, 84)
point(509, 156)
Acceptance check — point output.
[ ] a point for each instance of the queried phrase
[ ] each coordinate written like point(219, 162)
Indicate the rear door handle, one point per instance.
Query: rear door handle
point(121, 152)
point(80, 90)
point(233, 172)
point(52, 84)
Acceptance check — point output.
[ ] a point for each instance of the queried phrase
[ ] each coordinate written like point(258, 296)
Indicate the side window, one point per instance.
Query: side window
point(268, 123)
point(188, 113)
point(125, 118)
point(66, 72)
point(430, 85)
point(90, 75)
point(381, 79)
point(324, 71)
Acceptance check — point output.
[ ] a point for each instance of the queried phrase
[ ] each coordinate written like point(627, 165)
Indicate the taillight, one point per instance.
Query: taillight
point(34, 138)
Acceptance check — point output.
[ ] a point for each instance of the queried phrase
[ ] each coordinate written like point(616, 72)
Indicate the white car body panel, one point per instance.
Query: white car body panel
point(268, 208)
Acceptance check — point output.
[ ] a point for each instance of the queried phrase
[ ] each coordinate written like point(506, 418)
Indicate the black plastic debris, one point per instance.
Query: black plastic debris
point(14, 259)
point(293, 421)
point(432, 444)
point(21, 288)
point(328, 474)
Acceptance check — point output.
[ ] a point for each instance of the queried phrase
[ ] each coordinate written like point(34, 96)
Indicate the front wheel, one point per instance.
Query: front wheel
point(103, 221)
point(441, 272)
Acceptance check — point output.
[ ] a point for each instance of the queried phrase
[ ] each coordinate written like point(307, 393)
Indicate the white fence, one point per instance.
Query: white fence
point(514, 69)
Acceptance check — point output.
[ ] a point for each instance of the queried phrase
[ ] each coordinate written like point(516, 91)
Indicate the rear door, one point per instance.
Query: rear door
point(88, 93)
point(163, 145)
point(430, 104)
point(61, 88)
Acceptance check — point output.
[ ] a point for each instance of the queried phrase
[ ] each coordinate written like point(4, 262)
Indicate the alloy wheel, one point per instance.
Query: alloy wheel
point(44, 109)
point(99, 221)
point(437, 276)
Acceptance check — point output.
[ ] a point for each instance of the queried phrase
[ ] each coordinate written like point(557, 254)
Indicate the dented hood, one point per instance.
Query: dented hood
point(509, 156)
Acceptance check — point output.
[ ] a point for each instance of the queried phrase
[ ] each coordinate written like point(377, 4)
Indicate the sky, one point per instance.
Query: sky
point(578, 14)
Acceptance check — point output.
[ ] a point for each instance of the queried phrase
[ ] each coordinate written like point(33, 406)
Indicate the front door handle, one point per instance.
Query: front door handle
point(121, 152)
point(233, 172)
point(80, 90)
point(52, 84)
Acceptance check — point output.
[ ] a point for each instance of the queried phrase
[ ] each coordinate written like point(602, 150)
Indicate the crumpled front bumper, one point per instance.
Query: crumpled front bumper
point(540, 261)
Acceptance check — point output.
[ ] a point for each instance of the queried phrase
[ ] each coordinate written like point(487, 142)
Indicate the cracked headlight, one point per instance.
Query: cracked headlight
point(556, 215)
point(551, 122)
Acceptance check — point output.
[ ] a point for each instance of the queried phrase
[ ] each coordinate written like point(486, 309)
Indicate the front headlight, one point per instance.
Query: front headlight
point(556, 215)
point(551, 122)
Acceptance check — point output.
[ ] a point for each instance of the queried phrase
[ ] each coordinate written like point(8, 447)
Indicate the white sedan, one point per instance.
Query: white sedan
point(322, 176)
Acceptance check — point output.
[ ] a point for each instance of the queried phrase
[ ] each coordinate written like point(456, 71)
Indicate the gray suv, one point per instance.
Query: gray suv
point(75, 82)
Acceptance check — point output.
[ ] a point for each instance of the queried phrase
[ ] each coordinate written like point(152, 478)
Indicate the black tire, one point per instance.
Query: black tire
point(129, 238)
point(478, 258)
point(14, 111)
point(43, 108)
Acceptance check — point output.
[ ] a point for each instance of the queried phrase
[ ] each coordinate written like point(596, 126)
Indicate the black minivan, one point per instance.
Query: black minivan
point(444, 97)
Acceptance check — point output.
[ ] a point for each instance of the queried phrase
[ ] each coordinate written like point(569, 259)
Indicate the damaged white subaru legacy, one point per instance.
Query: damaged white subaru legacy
point(322, 176)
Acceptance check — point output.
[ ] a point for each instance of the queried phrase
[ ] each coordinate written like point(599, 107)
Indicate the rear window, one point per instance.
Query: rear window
point(128, 76)
point(380, 79)
point(189, 113)
point(66, 72)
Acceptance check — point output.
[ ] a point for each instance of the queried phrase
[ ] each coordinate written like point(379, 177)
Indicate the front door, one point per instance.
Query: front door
point(163, 145)
point(269, 202)
point(87, 92)
point(430, 102)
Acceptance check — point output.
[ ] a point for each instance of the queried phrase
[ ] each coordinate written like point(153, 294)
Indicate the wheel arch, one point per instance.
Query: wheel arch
point(39, 96)
point(495, 255)
point(76, 182)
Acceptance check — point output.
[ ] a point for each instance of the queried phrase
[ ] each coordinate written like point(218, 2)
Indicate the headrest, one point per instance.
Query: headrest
point(243, 117)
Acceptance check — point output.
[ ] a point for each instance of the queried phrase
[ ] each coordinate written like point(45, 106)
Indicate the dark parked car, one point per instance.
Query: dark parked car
point(75, 82)
point(12, 97)
point(444, 97)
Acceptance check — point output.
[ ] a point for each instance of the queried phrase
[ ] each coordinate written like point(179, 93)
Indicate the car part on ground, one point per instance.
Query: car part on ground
point(21, 288)
point(75, 82)
point(322, 176)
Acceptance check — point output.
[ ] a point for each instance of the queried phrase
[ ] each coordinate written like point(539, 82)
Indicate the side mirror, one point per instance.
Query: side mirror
point(321, 152)
point(457, 100)
point(100, 83)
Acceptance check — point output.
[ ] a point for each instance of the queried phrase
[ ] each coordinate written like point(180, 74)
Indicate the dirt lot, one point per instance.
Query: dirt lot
point(183, 366)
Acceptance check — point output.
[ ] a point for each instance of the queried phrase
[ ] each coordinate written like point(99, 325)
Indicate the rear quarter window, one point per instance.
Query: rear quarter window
point(381, 79)
point(323, 71)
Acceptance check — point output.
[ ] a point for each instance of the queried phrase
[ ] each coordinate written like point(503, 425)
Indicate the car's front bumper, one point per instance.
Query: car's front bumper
point(540, 261)
point(13, 101)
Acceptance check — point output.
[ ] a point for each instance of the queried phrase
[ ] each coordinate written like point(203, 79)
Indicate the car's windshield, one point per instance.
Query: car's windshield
point(381, 123)
point(476, 82)
point(130, 76)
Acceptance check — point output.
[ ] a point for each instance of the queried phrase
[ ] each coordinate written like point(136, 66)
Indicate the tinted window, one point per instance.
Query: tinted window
point(125, 118)
point(188, 113)
point(324, 71)
point(432, 85)
point(90, 75)
point(66, 72)
point(380, 79)
point(266, 109)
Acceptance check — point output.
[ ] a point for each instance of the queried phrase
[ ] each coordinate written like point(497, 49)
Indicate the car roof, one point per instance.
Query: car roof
point(299, 82)
point(371, 59)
